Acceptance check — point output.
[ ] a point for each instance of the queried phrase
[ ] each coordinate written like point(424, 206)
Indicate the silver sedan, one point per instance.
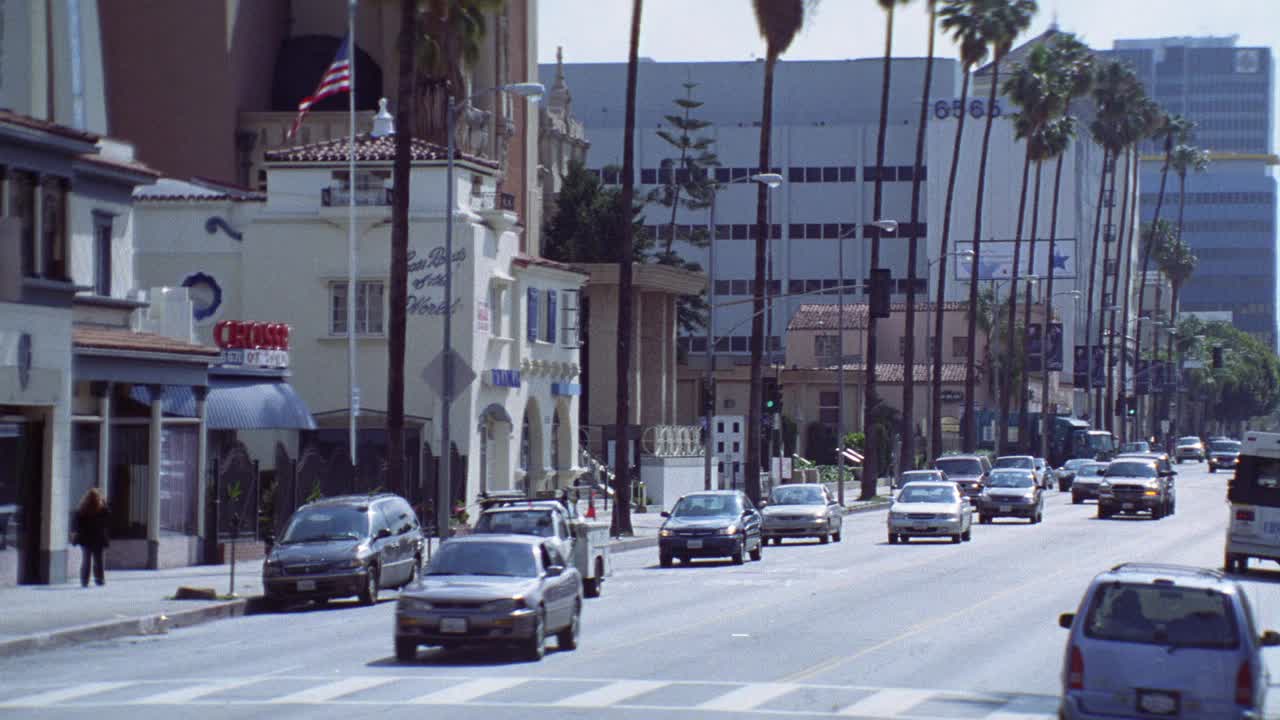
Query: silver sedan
point(930, 509)
point(802, 510)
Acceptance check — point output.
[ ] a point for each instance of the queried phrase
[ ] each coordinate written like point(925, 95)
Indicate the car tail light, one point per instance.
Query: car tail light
point(1075, 671)
point(1246, 515)
point(1244, 685)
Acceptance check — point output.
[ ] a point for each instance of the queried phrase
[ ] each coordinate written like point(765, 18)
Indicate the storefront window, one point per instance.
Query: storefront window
point(178, 501)
point(84, 461)
point(129, 479)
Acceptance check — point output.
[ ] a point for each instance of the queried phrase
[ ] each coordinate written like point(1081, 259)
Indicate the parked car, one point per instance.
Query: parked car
point(1048, 475)
point(1163, 641)
point(1088, 476)
point(1011, 492)
point(1134, 484)
point(1163, 464)
point(968, 471)
point(487, 589)
point(911, 476)
point(1223, 454)
point(1067, 473)
point(807, 510)
point(1188, 448)
point(344, 546)
point(1137, 446)
point(713, 523)
point(1021, 462)
point(930, 509)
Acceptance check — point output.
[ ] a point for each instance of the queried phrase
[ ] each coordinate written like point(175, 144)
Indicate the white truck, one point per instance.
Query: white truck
point(585, 542)
point(1253, 527)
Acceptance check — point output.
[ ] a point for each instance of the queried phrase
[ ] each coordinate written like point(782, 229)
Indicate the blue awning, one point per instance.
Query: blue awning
point(242, 403)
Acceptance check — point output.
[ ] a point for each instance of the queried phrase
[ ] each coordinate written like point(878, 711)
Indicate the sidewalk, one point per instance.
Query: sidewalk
point(139, 602)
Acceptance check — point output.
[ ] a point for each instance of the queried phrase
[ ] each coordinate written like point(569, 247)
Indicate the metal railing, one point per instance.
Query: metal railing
point(493, 201)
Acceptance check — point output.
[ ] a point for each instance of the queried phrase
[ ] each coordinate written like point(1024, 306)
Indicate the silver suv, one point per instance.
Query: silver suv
point(1154, 640)
point(970, 472)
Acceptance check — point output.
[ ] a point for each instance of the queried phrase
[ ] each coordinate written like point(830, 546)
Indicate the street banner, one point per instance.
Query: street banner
point(1035, 347)
point(1080, 367)
point(1053, 347)
point(1099, 366)
point(1142, 377)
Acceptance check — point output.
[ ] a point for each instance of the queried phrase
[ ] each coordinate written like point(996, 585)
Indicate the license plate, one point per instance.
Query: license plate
point(306, 585)
point(921, 526)
point(693, 544)
point(1005, 508)
point(453, 625)
point(1127, 506)
point(1158, 703)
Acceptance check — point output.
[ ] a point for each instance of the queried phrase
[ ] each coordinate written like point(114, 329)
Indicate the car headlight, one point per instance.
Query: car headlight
point(898, 515)
point(412, 603)
point(665, 533)
point(347, 564)
point(272, 568)
point(731, 530)
point(1153, 484)
point(504, 605)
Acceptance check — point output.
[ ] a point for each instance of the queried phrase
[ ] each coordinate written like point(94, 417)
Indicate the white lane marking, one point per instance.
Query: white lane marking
point(748, 697)
point(194, 692)
point(887, 703)
point(466, 692)
point(609, 694)
point(1001, 715)
point(331, 691)
point(49, 697)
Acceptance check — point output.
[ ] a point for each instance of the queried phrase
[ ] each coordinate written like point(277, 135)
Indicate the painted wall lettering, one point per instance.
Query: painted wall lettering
point(428, 271)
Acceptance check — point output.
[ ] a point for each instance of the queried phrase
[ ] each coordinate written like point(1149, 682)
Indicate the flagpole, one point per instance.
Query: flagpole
point(352, 259)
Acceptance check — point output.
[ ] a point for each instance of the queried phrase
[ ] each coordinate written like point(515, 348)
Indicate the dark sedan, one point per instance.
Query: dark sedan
point(1223, 454)
point(492, 589)
point(716, 523)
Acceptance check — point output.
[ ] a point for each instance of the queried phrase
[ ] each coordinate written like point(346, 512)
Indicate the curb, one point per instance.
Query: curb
point(153, 624)
point(869, 507)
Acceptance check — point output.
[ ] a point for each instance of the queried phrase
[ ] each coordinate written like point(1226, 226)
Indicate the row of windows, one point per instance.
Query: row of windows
point(612, 175)
point(695, 344)
point(1232, 123)
point(1227, 226)
point(1219, 198)
point(39, 202)
point(812, 286)
point(1248, 106)
point(795, 231)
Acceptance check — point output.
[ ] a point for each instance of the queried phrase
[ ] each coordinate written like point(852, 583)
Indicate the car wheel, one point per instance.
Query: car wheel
point(1157, 512)
point(984, 519)
point(536, 646)
point(1212, 469)
point(413, 572)
point(1177, 461)
point(758, 552)
point(835, 537)
point(955, 539)
point(592, 587)
point(369, 594)
point(738, 554)
point(568, 637)
point(893, 538)
point(1076, 499)
point(664, 559)
point(406, 649)
point(967, 535)
point(1103, 513)
point(824, 538)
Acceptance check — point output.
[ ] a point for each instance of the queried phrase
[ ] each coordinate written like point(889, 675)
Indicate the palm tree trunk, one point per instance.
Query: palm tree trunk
point(970, 374)
point(1131, 188)
point(1157, 394)
point(906, 460)
point(1142, 295)
point(1104, 413)
point(1093, 277)
point(1112, 416)
point(1024, 387)
point(871, 460)
point(754, 426)
point(1173, 309)
point(935, 425)
point(621, 524)
point(1006, 385)
point(399, 271)
point(1046, 417)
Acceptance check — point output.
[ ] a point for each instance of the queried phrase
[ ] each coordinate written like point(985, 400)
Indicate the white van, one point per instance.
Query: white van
point(1253, 529)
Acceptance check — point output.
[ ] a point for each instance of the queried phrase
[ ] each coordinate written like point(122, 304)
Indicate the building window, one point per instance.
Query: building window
point(829, 407)
point(53, 228)
point(738, 344)
point(570, 334)
point(497, 314)
point(960, 346)
point(102, 254)
point(22, 205)
point(525, 447)
point(555, 441)
point(531, 315)
point(550, 333)
point(371, 188)
point(368, 308)
point(826, 348)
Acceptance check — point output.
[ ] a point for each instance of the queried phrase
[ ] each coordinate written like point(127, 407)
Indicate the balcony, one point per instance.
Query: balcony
point(338, 196)
point(498, 209)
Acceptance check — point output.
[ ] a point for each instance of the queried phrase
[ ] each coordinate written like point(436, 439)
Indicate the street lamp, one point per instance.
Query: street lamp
point(771, 181)
point(533, 91)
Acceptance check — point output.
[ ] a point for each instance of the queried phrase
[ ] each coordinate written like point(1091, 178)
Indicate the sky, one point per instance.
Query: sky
point(674, 30)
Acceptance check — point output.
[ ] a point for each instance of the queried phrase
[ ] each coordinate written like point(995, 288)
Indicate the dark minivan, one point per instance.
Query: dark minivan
point(344, 546)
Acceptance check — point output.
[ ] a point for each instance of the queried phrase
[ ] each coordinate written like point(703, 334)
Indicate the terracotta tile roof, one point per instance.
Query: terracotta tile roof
point(824, 316)
point(892, 372)
point(523, 260)
point(108, 338)
point(368, 149)
point(8, 116)
point(194, 190)
point(132, 166)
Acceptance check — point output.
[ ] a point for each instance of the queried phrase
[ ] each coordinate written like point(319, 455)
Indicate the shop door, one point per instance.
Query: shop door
point(21, 509)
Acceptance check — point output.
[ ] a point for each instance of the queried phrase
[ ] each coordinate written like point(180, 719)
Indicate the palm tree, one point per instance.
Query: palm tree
point(1030, 87)
point(999, 23)
point(906, 458)
point(452, 33)
point(399, 271)
point(778, 21)
point(1178, 263)
point(1177, 260)
point(870, 463)
point(1057, 138)
point(621, 521)
point(964, 28)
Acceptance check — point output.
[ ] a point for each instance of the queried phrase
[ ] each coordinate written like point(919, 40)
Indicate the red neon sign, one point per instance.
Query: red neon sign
point(245, 335)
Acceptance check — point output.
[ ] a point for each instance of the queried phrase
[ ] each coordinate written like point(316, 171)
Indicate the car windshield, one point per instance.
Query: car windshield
point(959, 466)
point(1015, 462)
point(1162, 615)
point(1226, 446)
point(920, 476)
point(1135, 447)
point(1187, 441)
point(484, 558)
point(1010, 480)
point(1131, 469)
point(797, 495)
point(707, 506)
point(922, 494)
point(326, 524)
point(1091, 470)
point(520, 522)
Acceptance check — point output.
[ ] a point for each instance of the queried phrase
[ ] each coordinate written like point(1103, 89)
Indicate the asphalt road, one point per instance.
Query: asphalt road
point(860, 628)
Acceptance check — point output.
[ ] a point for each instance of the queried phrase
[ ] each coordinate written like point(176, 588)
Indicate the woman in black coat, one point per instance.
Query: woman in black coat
point(92, 519)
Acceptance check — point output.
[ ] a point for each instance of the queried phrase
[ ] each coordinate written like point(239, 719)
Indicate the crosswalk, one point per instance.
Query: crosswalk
point(534, 693)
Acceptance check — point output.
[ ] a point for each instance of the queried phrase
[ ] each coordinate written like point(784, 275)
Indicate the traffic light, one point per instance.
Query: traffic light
point(772, 401)
point(1131, 406)
point(881, 285)
point(708, 398)
point(1217, 357)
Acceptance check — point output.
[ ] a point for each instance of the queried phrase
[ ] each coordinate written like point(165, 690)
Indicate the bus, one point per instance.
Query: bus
point(1253, 527)
point(1073, 438)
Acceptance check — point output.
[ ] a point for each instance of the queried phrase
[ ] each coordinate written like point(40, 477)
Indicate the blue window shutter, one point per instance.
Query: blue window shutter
point(533, 314)
point(551, 316)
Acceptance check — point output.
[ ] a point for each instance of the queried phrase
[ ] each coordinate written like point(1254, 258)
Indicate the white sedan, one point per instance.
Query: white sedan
point(930, 509)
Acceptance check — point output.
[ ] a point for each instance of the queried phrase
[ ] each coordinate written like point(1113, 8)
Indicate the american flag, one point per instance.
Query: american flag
point(336, 79)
